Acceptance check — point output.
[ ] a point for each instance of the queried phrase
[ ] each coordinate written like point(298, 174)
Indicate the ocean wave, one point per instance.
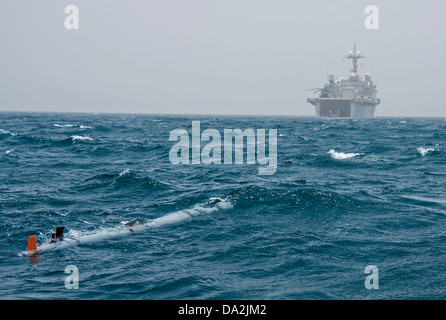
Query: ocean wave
point(298, 197)
point(129, 179)
point(101, 176)
point(423, 151)
point(121, 181)
point(124, 172)
point(71, 126)
point(341, 155)
point(436, 204)
point(6, 132)
point(81, 138)
point(51, 140)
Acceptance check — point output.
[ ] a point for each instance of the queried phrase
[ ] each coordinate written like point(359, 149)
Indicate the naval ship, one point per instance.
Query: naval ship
point(354, 97)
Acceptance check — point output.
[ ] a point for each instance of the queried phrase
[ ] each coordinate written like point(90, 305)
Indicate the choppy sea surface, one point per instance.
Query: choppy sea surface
point(347, 194)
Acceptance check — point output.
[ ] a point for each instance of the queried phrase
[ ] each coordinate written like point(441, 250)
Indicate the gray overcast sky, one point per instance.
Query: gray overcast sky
point(217, 56)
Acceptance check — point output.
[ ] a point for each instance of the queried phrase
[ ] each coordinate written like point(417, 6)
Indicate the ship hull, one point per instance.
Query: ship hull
point(343, 108)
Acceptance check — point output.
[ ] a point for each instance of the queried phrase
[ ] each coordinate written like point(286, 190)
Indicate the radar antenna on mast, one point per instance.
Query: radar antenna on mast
point(355, 55)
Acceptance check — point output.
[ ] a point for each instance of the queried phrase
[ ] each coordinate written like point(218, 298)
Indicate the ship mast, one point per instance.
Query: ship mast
point(355, 55)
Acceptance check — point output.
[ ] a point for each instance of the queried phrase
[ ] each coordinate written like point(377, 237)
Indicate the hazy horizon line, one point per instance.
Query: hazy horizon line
point(210, 114)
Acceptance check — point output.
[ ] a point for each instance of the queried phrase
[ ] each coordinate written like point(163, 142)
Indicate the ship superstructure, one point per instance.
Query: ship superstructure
point(354, 97)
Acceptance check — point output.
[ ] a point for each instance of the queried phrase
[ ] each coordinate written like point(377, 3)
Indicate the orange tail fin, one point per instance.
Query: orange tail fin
point(32, 243)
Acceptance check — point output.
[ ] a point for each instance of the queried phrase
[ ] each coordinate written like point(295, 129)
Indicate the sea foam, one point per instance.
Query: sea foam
point(423, 151)
point(341, 155)
point(74, 138)
point(2, 131)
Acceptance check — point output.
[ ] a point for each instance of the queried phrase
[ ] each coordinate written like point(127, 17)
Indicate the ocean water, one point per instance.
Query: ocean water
point(346, 194)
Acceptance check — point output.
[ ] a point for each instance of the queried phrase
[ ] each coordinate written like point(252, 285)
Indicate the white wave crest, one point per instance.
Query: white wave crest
point(2, 131)
point(423, 151)
point(341, 155)
point(74, 138)
point(63, 125)
point(123, 173)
